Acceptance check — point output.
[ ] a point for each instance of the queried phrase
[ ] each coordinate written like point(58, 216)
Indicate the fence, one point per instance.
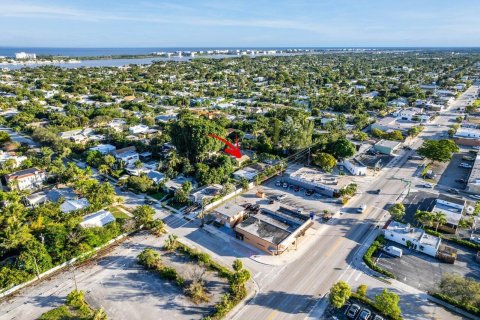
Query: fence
point(59, 267)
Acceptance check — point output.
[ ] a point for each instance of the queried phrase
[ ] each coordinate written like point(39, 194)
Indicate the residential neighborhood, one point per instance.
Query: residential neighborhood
point(243, 182)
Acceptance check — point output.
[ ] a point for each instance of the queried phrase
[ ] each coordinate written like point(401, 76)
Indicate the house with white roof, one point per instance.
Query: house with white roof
point(104, 148)
point(25, 179)
point(74, 205)
point(6, 156)
point(138, 129)
point(128, 156)
point(453, 210)
point(97, 219)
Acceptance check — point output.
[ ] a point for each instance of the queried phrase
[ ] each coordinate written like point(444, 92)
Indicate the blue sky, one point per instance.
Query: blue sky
point(226, 23)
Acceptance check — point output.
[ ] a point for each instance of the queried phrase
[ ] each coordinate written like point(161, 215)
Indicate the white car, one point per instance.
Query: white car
point(475, 239)
point(476, 147)
point(474, 196)
point(465, 165)
point(428, 185)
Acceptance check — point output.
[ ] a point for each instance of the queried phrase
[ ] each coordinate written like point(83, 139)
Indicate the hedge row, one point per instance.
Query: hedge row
point(466, 307)
point(371, 304)
point(223, 272)
point(367, 257)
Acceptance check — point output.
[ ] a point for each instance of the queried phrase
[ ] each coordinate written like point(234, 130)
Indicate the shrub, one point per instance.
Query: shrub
point(467, 307)
point(367, 257)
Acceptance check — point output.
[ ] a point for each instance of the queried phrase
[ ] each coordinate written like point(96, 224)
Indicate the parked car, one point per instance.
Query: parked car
point(428, 185)
point(461, 181)
point(148, 201)
point(296, 189)
point(255, 207)
point(285, 185)
point(377, 317)
point(378, 191)
point(353, 310)
point(365, 315)
point(282, 196)
point(362, 208)
point(476, 147)
point(453, 191)
point(474, 196)
point(309, 192)
point(465, 165)
point(271, 201)
point(475, 239)
point(467, 158)
point(278, 183)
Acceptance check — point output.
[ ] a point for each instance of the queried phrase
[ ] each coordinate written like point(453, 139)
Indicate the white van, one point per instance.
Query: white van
point(394, 251)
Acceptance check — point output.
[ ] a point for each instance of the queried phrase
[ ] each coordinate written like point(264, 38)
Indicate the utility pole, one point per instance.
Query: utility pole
point(36, 267)
point(74, 277)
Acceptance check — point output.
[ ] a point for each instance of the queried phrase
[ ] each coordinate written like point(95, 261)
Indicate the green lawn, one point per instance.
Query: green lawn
point(118, 214)
point(158, 195)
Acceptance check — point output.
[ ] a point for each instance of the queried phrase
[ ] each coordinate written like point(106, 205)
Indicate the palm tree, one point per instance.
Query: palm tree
point(103, 169)
point(424, 217)
point(439, 218)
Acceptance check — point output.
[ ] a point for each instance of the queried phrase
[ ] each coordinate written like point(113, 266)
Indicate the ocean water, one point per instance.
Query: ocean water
point(94, 52)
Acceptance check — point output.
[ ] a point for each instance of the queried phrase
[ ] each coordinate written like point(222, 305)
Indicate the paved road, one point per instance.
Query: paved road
point(295, 290)
point(289, 291)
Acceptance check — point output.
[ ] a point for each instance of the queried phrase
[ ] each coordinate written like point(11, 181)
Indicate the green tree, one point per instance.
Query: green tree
point(324, 160)
point(438, 150)
point(190, 136)
point(343, 148)
point(424, 217)
point(181, 196)
point(339, 294)
point(463, 289)
point(397, 211)
point(143, 215)
point(439, 219)
point(362, 290)
point(34, 258)
point(388, 303)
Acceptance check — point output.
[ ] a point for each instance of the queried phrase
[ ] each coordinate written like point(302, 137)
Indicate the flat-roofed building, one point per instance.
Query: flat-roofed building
point(414, 238)
point(323, 183)
point(467, 136)
point(273, 232)
point(453, 210)
point(387, 146)
point(228, 214)
point(473, 183)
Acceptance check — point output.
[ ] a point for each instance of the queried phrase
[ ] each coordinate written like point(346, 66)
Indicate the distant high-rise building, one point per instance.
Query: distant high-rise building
point(24, 56)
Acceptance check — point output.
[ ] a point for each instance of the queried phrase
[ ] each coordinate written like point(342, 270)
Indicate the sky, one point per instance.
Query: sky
point(239, 23)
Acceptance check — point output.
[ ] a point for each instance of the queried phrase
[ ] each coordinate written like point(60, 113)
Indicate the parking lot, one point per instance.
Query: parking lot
point(425, 272)
point(418, 200)
point(298, 198)
point(341, 314)
point(453, 175)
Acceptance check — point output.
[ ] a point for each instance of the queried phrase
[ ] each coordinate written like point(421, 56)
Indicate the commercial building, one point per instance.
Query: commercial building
point(25, 179)
point(355, 167)
point(228, 214)
point(273, 232)
point(467, 136)
point(453, 210)
point(414, 238)
point(387, 146)
point(473, 183)
point(316, 180)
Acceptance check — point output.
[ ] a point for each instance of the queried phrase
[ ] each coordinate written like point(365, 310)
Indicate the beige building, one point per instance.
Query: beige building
point(273, 232)
point(228, 214)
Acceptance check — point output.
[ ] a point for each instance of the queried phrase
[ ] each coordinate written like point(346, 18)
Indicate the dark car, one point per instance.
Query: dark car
point(296, 189)
point(309, 192)
point(461, 181)
point(271, 201)
point(378, 191)
point(148, 201)
point(365, 315)
point(453, 191)
point(247, 205)
point(255, 207)
point(352, 311)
